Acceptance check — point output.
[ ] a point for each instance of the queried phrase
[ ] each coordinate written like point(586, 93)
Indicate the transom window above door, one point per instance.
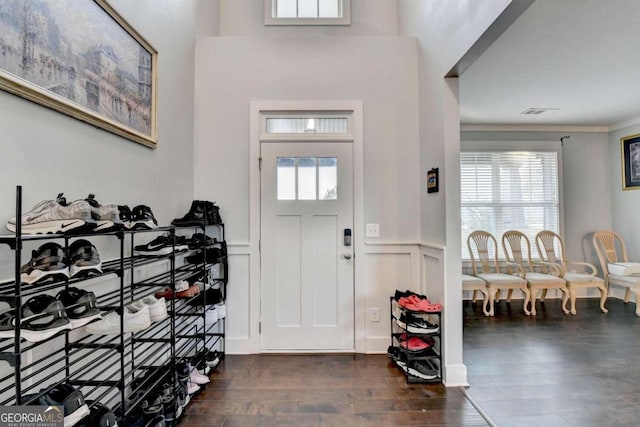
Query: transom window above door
point(307, 12)
point(307, 178)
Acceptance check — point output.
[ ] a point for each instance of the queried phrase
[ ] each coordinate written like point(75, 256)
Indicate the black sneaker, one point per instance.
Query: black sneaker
point(417, 325)
point(421, 369)
point(211, 296)
point(100, 416)
point(80, 306)
point(84, 260)
point(206, 359)
point(75, 409)
point(162, 245)
point(142, 218)
point(200, 240)
point(406, 294)
point(195, 217)
point(42, 317)
point(205, 256)
point(157, 421)
point(47, 263)
point(124, 213)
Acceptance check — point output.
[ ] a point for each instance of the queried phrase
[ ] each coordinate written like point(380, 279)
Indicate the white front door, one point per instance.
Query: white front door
point(306, 268)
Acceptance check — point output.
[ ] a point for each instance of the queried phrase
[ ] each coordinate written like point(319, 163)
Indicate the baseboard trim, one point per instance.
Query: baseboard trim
point(455, 375)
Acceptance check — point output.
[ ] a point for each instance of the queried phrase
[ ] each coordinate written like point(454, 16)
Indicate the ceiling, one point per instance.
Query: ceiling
point(579, 56)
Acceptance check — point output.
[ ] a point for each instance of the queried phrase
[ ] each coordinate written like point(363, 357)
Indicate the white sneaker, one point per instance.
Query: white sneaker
point(135, 319)
point(192, 387)
point(211, 316)
point(221, 310)
point(196, 377)
point(157, 307)
point(53, 216)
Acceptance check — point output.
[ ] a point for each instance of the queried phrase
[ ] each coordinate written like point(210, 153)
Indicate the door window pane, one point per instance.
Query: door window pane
point(329, 9)
point(286, 9)
point(307, 125)
point(286, 178)
point(328, 178)
point(307, 178)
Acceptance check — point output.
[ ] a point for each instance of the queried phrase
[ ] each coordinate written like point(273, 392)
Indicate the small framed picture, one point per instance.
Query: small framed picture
point(432, 181)
point(630, 150)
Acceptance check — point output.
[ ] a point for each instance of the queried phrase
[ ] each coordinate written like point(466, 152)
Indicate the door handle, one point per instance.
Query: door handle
point(346, 256)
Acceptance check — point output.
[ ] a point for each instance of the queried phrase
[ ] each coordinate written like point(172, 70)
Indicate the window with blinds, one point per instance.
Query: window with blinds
point(515, 190)
point(307, 12)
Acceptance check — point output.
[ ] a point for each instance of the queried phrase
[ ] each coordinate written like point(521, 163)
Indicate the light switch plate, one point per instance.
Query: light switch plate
point(373, 230)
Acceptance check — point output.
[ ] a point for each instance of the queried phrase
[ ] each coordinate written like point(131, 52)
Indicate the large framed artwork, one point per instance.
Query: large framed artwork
point(81, 58)
point(630, 148)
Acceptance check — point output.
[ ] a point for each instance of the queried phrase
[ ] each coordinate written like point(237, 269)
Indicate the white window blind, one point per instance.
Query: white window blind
point(515, 190)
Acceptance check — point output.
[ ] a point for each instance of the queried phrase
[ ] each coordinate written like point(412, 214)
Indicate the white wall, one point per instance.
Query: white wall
point(626, 204)
point(379, 71)
point(445, 31)
point(368, 18)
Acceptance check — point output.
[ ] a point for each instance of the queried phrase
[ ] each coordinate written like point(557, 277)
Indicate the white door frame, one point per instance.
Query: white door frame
point(354, 108)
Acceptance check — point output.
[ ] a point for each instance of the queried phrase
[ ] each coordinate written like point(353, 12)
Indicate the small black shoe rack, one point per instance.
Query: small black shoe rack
point(104, 367)
point(397, 332)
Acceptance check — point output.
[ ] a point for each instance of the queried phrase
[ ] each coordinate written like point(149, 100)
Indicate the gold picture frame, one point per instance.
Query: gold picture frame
point(84, 61)
point(630, 155)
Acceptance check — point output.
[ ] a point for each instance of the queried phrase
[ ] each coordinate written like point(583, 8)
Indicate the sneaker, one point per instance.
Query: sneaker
point(189, 292)
point(72, 401)
point(157, 307)
point(415, 344)
point(406, 294)
point(84, 260)
point(80, 306)
point(211, 316)
point(192, 387)
point(54, 216)
point(221, 309)
point(211, 296)
point(421, 369)
point(157, 421)
point(198, 378)
point(207, 255)
point(206, 358)
point(124, 213)
point(200, 240)
point(42, 317)
point(136, 319)
point(47, 263)
point(142, 218)
point(201, 213)
point(107, 217)
point(162, 245)
point(417, 325)
point(100, 416)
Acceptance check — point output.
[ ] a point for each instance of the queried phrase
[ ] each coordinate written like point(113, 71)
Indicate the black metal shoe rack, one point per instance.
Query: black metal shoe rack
point(397, 332)
point(117, 370)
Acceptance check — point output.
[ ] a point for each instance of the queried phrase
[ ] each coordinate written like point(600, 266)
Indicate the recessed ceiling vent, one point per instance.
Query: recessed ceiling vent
point(536, 111)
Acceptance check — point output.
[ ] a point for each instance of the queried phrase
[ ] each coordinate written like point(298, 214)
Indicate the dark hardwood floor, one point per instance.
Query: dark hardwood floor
point(555, 369)
point(323, 390)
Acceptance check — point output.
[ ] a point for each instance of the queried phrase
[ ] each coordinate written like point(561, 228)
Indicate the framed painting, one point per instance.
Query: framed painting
point(82, 59)
point(630, 149)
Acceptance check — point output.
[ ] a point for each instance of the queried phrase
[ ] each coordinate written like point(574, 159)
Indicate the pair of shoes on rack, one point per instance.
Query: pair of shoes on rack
point(416, 303)
point(44, 316)
point(202, 213)
point(201, 240)
point(56, 216)
point(417, 345)
point(162, 245)
point(416, 324)
point(417, 368)
point(211, 296)
point(206, 256)
point(183, 291)
point(71, 400)
point(49, 263)
point(139, 218)
point(206, 360)
point(138, 316)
